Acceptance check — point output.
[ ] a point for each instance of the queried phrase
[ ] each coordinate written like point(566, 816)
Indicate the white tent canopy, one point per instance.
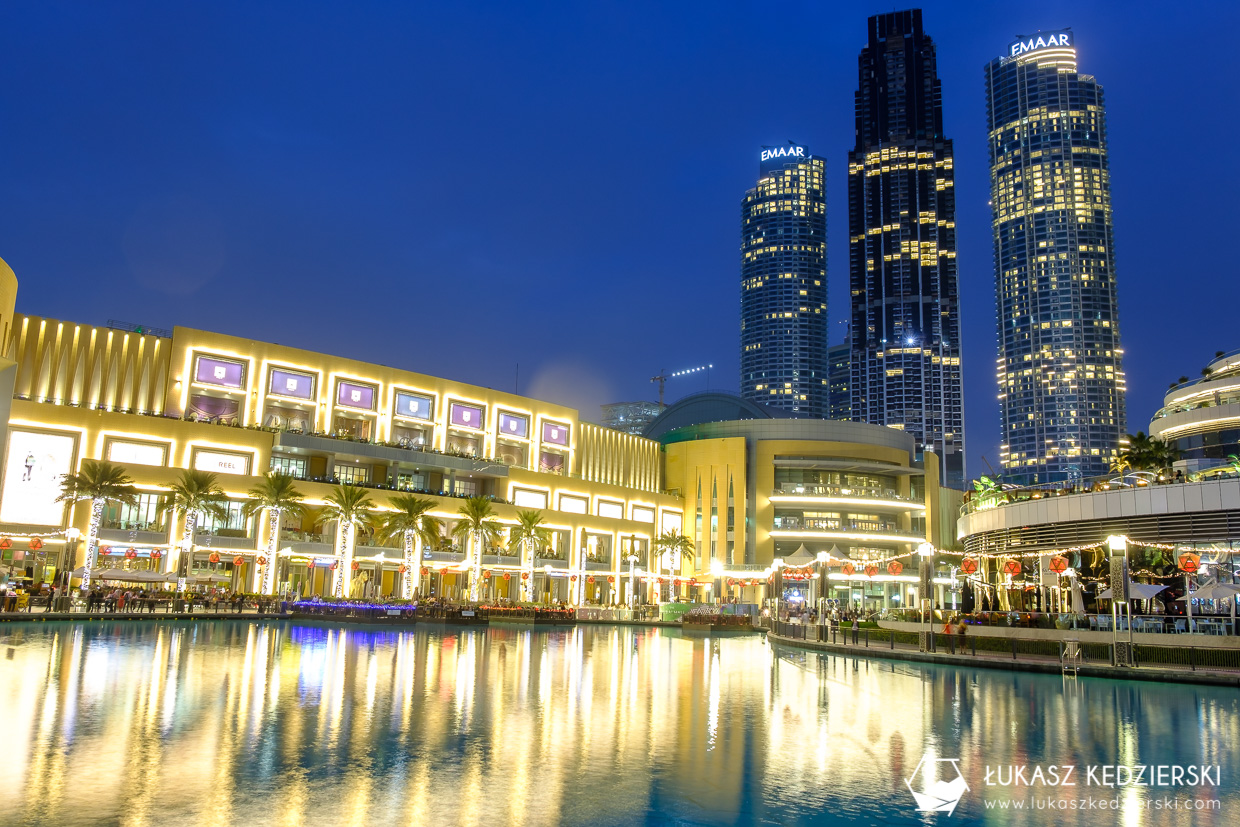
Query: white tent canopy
point(1216, 591)
point(1136, 591)
point(800, 558)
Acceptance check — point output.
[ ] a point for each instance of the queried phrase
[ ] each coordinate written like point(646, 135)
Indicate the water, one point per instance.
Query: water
point(255, 723)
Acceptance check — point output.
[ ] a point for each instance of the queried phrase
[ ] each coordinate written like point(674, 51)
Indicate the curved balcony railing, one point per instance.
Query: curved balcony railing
point(843, 492)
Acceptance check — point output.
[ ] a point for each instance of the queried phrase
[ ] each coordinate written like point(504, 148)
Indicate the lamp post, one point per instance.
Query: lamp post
point(73, 535)
point(1118, 548)
point(820, 578)
point(547, 578)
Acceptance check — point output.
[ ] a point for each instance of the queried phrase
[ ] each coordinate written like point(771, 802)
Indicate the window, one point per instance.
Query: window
point(353, 474)
point(232, 525)
point(143, 515)
point(465, 488)
point(289, 465)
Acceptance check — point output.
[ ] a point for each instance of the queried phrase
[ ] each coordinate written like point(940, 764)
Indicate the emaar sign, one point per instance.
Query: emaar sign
point(1034, 43)
point(775, 153)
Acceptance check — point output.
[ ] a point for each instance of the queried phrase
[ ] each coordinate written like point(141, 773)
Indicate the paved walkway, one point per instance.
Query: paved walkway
point(991, 659)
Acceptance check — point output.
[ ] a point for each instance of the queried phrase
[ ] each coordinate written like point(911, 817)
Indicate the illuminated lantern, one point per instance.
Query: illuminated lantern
point(403, 567)
point(573, 578)
point(425, 571)
point(1190, 562)
point(311, 563)
point(525, 575)
point(507, 575)
point(240, 561)
point(611, 579)
point(895, 567)
point(486, 575)
point(262, 561)
point(6, 543)
point(1012, 567)
point(105, 550)
point(590, 579)
point(850, 569)
point(214, 558)
point(156, 554)
point(969, 565)
point(131, 553)
point(35, 544)
point(1059, 564)
point(870, 571)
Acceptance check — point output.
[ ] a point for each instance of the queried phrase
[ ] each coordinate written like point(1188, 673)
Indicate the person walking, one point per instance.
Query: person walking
point(856, 628)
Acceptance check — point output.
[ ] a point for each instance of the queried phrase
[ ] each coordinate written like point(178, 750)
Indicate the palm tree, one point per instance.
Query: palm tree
point(349, 506)
point(194, 493)
point(673, 544)
point(531, 536)
point(411, 523)
point(477, 523)
point(279, 496)
point(100, 482)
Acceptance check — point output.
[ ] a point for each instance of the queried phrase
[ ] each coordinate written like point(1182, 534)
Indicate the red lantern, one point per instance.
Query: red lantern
point(311, 563)
point(425, 571)
point(895, 567)
point(105, 550)
point(1059, 564)
point(35, 544)
point(525, 575)
point(486, 575)
point(356, 565)
point(131, 553)
point(403, 567)
point(849, 569)
point(507, 575)
point(590, 579)
point(240, 561)
point(1190, 562)
point(870, 571)
point(333, 565)
point(6, 543)
point(214, 557)
point(262, 561)
point(156, 554)
point(969, 565)
point(573, 578)
point(1012, 567)
point(611, 579)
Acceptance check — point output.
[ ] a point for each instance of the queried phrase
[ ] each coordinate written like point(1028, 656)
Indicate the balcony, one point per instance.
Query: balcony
point(794, 528)
point(806, 494)
point(389, 452)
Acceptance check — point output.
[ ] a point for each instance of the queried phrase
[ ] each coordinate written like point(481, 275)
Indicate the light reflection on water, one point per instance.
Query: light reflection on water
point(242, 722)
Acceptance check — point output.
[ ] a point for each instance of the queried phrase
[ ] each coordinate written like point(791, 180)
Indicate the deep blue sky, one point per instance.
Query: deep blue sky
point(456, 188)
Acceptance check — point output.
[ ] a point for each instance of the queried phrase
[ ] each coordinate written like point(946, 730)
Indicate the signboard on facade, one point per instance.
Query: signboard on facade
point(1042, 40)
point(466, 416)
point(137, 453)
point(553, 433)
point(291, 383)
point(353, 395)
point(35, 464)
point(415, 406)
point(512, 425)
point(218, 462)
point(221, 372)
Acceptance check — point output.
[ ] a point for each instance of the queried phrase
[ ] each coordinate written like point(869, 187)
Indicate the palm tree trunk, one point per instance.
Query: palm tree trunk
point(527, 567)
point(476, 580)
point(187, 547)
point(92, 543)
point(406, 586)
point(344, 559)
point(267, 580)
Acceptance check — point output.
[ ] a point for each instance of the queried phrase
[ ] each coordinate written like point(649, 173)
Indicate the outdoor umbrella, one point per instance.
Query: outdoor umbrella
point(1215, 591)
point(1137, 591)
point(1078, 599)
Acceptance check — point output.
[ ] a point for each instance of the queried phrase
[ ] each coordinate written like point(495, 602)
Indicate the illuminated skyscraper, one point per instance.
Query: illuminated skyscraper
point(1061, 377)
point(784, 284)
point(905, 328)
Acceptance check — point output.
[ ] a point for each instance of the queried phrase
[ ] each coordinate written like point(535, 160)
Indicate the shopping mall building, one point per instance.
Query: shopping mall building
point(158, 402)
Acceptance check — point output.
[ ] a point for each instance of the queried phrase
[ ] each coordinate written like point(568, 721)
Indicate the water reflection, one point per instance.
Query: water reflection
point(228, 722)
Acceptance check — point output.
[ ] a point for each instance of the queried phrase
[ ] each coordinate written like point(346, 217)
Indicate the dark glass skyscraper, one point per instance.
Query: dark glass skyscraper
point(905, 328)
point(1061, 377)
point(784, 284)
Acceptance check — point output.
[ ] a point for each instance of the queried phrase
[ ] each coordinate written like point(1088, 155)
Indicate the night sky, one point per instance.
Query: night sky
point(459, 188)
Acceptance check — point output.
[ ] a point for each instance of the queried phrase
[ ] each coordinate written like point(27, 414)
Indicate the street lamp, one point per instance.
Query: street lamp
point(547, 577)
point(926, 552)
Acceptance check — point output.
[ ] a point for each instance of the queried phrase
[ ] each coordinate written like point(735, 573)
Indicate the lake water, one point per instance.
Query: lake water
point(240, 722)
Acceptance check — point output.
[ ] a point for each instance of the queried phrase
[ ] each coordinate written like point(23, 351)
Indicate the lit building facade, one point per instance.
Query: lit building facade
point(839, 376)
point(1060, 365)
point(784, 284)
point(905, 328)
point(237, 408)
point(1201, 417)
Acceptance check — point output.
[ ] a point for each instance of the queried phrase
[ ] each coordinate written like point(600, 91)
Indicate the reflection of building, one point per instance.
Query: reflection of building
point(630, 417)
point(784, 284)
point(905, 328)
point(1060, 370)
point(238, 408)
point(1201, 417)
point(757, 489)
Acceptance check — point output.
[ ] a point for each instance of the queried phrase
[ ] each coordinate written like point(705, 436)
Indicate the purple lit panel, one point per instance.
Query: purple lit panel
point(415, 405)
point(349, 395)
point(467, 416)
point(219, 372)
point(555, 434)
point(287, 383)
point(514, 426)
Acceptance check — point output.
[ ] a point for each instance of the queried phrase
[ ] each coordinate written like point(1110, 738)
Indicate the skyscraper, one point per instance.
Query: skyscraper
point(1061, 377)
point(784, 284)
point(905, 328)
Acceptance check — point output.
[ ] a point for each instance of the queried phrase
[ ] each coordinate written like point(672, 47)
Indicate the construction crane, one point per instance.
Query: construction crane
point(664, 376)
